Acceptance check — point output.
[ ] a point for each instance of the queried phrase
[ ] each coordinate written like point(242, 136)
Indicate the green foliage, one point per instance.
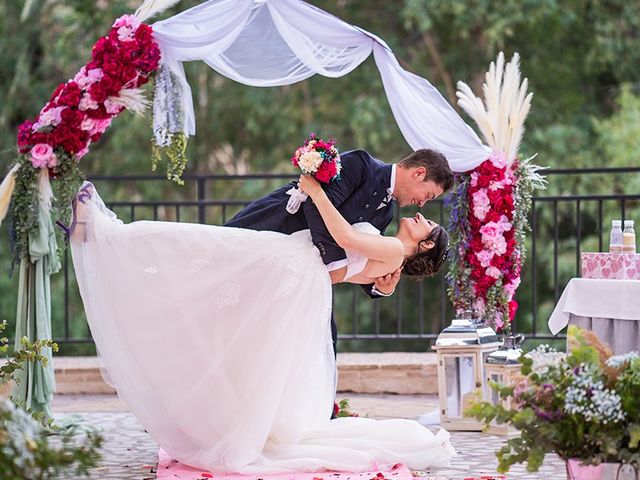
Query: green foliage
point(176, 155)
point(29, 352)
point(343, 409)
point(24, 207)
point(583, 405)
point(64, 189)
point(23, 211)
point(619, 138)
point(26, 450)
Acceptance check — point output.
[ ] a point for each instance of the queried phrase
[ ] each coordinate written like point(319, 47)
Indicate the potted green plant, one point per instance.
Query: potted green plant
point(584, 406)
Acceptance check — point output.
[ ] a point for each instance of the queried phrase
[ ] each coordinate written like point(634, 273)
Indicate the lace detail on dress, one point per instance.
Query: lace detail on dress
point(297, 263)
point(198, 264)
point(270, 261)
point(228, 295)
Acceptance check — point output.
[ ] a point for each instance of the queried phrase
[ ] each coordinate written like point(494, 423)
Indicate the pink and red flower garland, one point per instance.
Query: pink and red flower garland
point(80, 110)
point(489, 260)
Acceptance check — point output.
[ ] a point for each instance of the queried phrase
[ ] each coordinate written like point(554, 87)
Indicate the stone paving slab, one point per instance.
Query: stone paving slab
point(130, 453)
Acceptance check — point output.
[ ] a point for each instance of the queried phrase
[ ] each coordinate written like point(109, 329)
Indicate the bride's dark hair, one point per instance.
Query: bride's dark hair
point(428, 263)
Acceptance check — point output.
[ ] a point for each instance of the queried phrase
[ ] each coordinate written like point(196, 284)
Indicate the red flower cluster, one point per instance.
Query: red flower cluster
point(327, 172)
point(493, 252)
point(80, 110)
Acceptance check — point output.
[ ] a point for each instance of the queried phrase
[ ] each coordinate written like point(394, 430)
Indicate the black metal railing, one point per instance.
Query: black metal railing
point(417, 312)
point(564, 225)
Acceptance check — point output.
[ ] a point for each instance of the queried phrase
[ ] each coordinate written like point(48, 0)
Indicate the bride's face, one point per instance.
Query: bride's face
point(416, 228)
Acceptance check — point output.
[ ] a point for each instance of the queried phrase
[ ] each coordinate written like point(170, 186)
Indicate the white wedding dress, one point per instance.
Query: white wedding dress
point(218, 339)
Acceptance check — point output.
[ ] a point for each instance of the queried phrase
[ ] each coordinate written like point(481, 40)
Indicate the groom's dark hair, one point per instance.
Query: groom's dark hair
point(438, 170)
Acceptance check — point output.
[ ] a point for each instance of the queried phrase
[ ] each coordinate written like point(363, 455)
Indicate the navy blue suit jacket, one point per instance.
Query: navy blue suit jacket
point(362, 186)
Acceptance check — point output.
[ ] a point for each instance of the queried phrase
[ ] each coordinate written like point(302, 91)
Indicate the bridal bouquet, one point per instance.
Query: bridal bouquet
point(316, 157)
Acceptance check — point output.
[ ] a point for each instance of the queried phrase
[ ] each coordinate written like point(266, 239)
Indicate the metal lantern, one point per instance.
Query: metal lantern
point(503, 366)
point(462, 349)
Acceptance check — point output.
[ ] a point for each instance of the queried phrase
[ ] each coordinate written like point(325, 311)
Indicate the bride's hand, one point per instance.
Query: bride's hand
point(309, 185)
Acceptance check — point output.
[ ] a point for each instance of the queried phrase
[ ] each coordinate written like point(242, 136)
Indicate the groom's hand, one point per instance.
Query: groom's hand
point(386, 284)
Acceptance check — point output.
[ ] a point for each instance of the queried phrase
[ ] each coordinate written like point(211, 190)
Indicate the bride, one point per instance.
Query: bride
point(218, 338)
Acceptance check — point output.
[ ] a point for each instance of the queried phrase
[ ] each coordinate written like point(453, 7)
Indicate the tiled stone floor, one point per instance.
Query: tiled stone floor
point(130, 453)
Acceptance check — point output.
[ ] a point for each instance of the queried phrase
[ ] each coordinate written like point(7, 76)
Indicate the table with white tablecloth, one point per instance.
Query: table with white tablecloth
point(611, 308)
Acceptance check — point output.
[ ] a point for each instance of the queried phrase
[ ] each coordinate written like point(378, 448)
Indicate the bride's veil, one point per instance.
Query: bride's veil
point(80, 216)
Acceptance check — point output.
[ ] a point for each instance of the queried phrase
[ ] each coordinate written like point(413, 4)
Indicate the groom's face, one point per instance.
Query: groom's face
point(417, 191)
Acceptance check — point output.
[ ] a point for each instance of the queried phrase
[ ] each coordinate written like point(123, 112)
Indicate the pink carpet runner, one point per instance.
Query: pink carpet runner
point(169, 469)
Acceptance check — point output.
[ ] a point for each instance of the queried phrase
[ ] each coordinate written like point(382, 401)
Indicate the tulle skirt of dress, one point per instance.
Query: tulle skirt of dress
point(219, 341)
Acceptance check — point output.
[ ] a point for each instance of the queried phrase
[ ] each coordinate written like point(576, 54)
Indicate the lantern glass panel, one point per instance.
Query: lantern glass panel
point(495, 396)
point(461, 383)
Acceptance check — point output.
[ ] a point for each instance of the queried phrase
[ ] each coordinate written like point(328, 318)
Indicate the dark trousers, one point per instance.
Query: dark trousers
point(334, 338)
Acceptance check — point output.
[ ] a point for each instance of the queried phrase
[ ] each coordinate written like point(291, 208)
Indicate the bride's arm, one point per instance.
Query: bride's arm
point(375, 247)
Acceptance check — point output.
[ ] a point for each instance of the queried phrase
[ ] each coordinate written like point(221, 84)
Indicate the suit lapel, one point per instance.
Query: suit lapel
point(384, 215)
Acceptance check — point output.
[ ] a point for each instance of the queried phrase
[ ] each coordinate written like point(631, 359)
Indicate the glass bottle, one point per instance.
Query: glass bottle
point(628, 237)
point(615, 239)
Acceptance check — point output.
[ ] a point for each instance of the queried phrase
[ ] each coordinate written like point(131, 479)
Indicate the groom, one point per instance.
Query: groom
point(365, 192)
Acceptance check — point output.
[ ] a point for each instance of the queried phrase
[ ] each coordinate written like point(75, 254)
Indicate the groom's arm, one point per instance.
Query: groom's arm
point(384, 286)
point(352, 177)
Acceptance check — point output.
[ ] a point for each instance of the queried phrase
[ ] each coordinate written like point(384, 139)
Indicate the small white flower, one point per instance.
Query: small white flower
point(310, 161)
point(620, 360)
point(588, 397)
point(543, 357)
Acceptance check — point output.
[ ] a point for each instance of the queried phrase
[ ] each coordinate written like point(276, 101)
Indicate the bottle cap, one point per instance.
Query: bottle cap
point(616, 223)
point(628, 223)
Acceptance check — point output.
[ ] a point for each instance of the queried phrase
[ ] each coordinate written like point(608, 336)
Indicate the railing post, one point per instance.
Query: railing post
point(201, 194)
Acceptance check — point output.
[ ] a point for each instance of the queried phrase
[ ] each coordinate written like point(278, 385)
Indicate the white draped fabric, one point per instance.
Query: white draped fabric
point(266, 43)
